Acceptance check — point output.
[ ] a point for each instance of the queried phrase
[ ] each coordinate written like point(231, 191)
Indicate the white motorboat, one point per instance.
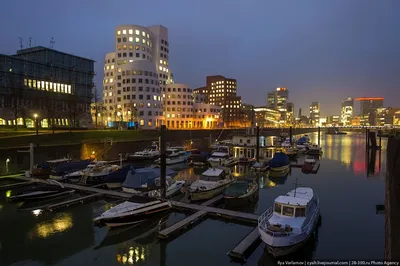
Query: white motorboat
point(309, 159)
point(95, 173)
point(174, 156)
point(173, 187)
point(314, 149)
point(146, 154)
point(130, 212)
point(290, 223)
point(221, 157)
point(286, 143)
point(211, 183)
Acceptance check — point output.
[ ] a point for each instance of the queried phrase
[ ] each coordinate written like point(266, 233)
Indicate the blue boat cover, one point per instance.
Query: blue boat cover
point(143, 176)
point(303, 140)
point(119, 176)
point(279, 159)
point(69, 167)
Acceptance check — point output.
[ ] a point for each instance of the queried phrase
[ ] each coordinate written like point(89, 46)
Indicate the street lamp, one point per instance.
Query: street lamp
point(36, 124)
point(7, 161)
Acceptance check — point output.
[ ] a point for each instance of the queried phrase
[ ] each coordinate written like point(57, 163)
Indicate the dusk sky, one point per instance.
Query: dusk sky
point(320, 50)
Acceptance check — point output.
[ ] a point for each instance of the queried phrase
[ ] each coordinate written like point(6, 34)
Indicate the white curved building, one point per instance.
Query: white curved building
point(181, 111)
point(134, 76)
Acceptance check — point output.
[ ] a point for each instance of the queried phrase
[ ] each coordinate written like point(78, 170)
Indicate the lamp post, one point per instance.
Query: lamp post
point(7, 161)
point(36, 124)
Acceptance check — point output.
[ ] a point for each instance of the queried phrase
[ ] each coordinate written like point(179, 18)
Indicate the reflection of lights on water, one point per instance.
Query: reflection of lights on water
point(1, 207)
point(8, 193)
point(58, 224)
point(134, 255)
point(37, 212)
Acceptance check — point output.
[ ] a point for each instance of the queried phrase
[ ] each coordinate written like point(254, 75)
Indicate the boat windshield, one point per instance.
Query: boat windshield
point(300, 212)
point(278, 208)
point(210, 178)
point(220, 156)
point(287, 211)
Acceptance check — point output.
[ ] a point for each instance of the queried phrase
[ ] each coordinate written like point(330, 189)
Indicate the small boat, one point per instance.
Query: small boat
point(221, 157)
point(286, 143)
point(314, 149)
point(303, 143)
point(260, 166)
point(95, 173)
point(132, 212)
point(279, 163)
point(291, 152)
point(43, 191)
point(309, 159)
point(241, 192)
point(137, 180)
point(47, 167)
point(174, 156)
point(201, 159)
point(307, 168)
point(287, 225)
point(173, 187)
point(115, 179)
point(211, 183)
point(146, 154)
point(67, 170)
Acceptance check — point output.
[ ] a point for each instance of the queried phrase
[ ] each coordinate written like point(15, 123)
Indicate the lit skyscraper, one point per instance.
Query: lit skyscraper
point(277, 100)
point(314, 113)
point(347, 111)
point(368, 107)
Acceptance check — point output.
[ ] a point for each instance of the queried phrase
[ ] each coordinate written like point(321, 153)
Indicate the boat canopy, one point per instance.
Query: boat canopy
point(213, 172)
point(279, 159)
point(220, 154)
point(69, 167)
point(141, 176)
point(119, 176)
point(303, 140)
point(303, 196)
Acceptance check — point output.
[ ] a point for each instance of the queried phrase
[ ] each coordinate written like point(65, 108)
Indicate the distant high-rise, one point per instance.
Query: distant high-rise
point(136, 74)
point(368, 107)
point(314, 113)
point(347, 111)
point(277, 100)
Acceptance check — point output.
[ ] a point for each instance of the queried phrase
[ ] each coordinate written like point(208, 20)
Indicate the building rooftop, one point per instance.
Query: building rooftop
point(41, 48)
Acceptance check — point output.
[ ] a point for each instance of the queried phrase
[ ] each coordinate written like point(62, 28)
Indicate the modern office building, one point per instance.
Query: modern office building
point(385, 116)
point(265, 117)
point(368, 108)
point(314, 113)
point(135, 74)
point(347, 111)
point(277, 100)
point(52, 87)
point(333, 120)
point(221, 91)
point(182, 111)
point(290, 113)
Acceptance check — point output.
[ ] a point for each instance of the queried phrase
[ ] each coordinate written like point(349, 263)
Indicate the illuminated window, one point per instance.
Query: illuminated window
point(119, 70)
point(137, 39)
point(47, 86)
point(144, 41)
point(131, 31)
point(123, 31)
point(62, 87)
point(148, 43)
point(161, 61)
point(154, 97)
point(119, 32)
point(124, 47)
point(160, 67)
point(144, 34)
point(111, 80)
point(69, 88)
point(130, 39)
point(112, 66)
point(141, 122)
point(57, 87)
point(110, 94)
point(29, 83)
point(149, 105)
point(38, 84)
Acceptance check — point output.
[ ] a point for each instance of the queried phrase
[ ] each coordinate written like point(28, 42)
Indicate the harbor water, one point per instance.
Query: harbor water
point(348, 183)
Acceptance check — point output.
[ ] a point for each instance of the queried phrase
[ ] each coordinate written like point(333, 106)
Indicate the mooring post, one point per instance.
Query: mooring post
point(291, 135)
point(319, 136)
point(31, 157)
point(163, 161)
point(258, 144)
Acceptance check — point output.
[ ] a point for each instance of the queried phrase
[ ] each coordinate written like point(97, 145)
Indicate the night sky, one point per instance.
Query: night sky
point(321, 50)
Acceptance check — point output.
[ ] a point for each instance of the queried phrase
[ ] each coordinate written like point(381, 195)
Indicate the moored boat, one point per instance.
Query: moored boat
point(146, 154)
point(67, 170)
point(291, 221)
point(314, 149)
point(279, 163)
point(211, 183)
point(173, 187)
point(42, 191)
point(221, 157)
point(132, 212)
point(115, 179)
point(259, 166)
point(200, 159)
point(241, 192)
point(95, 173)
point(137, 180)
point(174, 156)
point(47, 167)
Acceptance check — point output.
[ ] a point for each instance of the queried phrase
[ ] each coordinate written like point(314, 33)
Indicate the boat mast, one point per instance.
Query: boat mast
point(295, 187)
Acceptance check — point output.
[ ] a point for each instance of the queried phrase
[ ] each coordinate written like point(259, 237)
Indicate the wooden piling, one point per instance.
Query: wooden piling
point(319, 135)
point(291, 135)
point(258, 144)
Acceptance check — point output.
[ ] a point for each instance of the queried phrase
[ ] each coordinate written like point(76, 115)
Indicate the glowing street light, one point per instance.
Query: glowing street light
point(36, 123)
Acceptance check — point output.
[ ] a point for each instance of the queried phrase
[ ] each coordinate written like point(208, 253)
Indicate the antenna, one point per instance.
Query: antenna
point(52, 42)
point(20, 43)
point(295, 186)
point(30, 42)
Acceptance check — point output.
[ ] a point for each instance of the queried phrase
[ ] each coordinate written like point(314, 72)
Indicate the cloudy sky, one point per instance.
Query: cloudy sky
point(321, 50)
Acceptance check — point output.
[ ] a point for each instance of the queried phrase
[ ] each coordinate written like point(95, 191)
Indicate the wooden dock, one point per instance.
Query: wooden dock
point(68, 203)
point(181, 225)
point(213, 200)
point(240, 250)
point(316, 167)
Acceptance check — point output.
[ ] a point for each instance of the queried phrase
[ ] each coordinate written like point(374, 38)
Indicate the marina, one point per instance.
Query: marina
point(245, 245)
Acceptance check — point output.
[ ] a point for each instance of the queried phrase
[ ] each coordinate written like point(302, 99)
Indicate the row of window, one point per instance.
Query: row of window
point(140, 105)
point(223, 82)
point(179, 103)
point(130, 31)
point(223, 86)
point(163, 62)
point(178, 89)
point(48, 86)
point(137, 40)
point(178, 96)
point(163, 69)
point(179, 109)
point(137, 55)
point(137, 72)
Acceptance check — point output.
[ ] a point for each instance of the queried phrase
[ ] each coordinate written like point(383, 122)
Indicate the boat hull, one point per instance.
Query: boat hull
point(114, 185)
point(279, 169)
point(41, 196)
point(207, 194)
point(133, 219)
point(240, 201)
point(142, 158)
point(283, 246)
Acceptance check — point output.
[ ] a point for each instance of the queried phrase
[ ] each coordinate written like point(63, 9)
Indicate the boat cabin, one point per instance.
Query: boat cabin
point(220, 155)
point(213, 174)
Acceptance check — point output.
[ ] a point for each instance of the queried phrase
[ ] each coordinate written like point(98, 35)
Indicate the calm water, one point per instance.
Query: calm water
point(350, 229)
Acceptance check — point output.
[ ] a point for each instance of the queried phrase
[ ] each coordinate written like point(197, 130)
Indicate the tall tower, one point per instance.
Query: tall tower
point(136, 74)
point(347, 111)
